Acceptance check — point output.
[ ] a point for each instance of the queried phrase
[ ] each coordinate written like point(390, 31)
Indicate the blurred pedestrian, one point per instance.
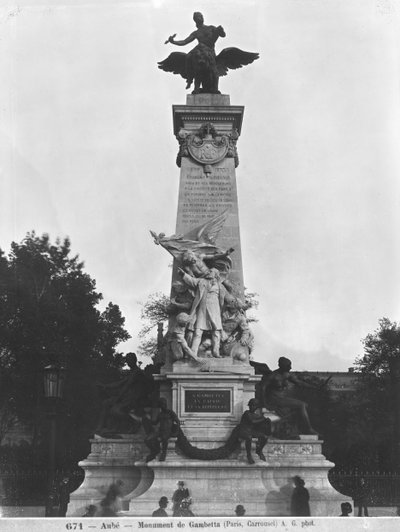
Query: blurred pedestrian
point(53, 501)
point(160, 512)
point(90, 511)
point(361, 497)
point(300, 498)
point(111, 505)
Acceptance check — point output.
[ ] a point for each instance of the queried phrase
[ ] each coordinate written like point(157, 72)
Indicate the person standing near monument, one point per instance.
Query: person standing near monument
point(64, 496)
point(360, 499)
point(111, 505)
point(178, 496)
point(299, 505)
point(205, 313)
point(160, 512)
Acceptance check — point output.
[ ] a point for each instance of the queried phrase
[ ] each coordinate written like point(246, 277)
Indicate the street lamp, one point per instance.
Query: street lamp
point(53, 380)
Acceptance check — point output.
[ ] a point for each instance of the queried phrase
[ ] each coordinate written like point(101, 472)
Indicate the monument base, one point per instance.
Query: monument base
point(215, 487)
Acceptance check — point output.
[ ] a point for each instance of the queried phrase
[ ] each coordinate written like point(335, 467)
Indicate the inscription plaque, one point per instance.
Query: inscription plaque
point(207, 400)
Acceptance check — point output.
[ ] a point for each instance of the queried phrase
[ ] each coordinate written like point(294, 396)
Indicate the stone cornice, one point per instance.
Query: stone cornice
point(228, 117)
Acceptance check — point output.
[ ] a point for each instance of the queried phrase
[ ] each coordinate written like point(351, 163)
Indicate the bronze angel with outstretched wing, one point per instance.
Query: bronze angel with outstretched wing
point(206, 77)
point(201, 65)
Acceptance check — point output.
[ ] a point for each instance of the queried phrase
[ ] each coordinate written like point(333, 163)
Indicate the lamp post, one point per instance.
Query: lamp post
point(54, 378)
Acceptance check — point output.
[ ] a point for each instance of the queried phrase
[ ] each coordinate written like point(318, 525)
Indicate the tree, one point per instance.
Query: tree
point(380, 386)
point(49, 315)
point(381, 349)
point(365, 423)
point(154, 314)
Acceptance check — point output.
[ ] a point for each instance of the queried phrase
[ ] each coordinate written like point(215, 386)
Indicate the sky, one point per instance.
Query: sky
point(87, 151)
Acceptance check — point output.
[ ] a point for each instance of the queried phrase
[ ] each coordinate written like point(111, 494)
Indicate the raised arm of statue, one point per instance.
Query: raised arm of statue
point(183, 42)
point(221, 31)
point(188, 279)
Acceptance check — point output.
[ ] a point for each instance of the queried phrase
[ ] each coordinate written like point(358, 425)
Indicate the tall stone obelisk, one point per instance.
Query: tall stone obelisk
point(208, 128)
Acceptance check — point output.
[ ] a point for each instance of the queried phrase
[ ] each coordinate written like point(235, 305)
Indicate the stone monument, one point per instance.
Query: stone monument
point(206, 378)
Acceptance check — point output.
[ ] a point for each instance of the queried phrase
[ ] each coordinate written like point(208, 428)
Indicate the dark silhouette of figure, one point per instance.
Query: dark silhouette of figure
point(346, 509)
point(168, 427)
point(90, 511)
point(178, 496)
point(201, 64)
point(64, 496)
point(360, 499)
point(240, 510)
point(254, 425)
point(53, 501)
point(111, 505)
point(125, 400)
point(203, 55)
point(275, 395)
point(184, 509)
point(160, 512)
point(299, 505)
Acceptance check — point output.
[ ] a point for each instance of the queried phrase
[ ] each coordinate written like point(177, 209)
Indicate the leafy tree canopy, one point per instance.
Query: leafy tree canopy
point(49, 315)
point(380, 348)
point(367, 425)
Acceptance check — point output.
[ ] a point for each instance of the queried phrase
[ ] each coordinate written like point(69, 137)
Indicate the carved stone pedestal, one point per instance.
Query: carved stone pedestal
point(208, 404)
point(216, 487)
point(109, 460)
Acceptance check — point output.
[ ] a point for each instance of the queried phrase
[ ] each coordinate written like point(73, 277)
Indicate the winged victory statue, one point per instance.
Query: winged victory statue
point(201, 65)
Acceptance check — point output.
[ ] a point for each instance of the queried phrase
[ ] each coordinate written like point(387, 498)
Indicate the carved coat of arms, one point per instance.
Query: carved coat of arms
point(206, 146)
